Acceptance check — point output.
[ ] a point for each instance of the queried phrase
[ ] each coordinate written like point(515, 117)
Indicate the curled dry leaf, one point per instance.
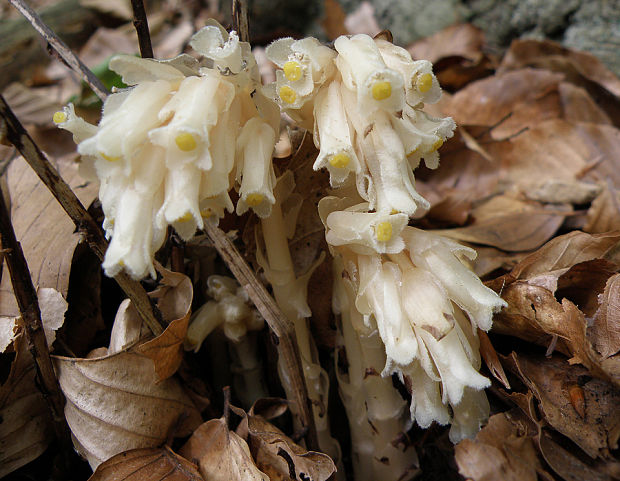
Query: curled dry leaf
point(604, 213)
point(277, 455)
point(116, 403)
point(127, 399)
point(502, 451)
point(174, 300)
point(221, 454)
point(25, 421)
point(553, 382)
point(161, 464)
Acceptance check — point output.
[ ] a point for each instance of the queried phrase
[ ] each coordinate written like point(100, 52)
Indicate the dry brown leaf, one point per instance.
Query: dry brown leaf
point(333, 19)
point(149, 464)
point(221, 454)
point(362, 20)
point(276, 454)
point(546, 54)
point(463, 40)
point(25, 420)
point(510, 224)
point(563, 252)
point(34, 211)
point(116, 403)
point(502, 451)
point(604, 213)
point(551, 380)
point(488, 353)
point(31, 106)
point(565, 464)
point(578, 106)
point(605, 329)
point(529, 96)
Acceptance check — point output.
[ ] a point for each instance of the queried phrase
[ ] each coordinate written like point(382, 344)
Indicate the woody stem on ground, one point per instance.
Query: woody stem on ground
point(28, 303)
point(281, 327)
point(12, 129)
point(61, 49)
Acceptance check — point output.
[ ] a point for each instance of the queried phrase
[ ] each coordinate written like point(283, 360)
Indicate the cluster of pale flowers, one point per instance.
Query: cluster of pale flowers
point(364, 103)
point(168, 150)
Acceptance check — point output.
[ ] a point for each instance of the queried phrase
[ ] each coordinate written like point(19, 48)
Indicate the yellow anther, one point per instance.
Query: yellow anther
point(121, 263)
point(206, 212)
point(381, 90)
point(438, 143)
point(287, 94)
point(254, 199)
point(340, 161)
point(185, 142)
point(59, 117)
point(292, 70)
point(394, 211)
point(424, 82)
point(384, 231)
point(185, 217)
point(109, 158)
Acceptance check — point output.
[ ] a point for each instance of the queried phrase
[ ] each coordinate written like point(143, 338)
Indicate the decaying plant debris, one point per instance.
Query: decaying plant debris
point(529, 180)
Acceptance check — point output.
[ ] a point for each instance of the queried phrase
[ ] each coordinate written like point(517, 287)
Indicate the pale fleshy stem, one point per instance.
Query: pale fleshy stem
point(281, 265)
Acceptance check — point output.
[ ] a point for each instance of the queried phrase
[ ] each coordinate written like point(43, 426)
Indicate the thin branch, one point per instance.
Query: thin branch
point(142, 28)
point(240, 19)
point(281, 327)
point(61, 48)
point(28, 303)
point(86, 225)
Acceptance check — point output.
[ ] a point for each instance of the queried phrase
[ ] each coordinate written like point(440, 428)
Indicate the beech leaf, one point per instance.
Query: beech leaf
point(221, 454)
point(148, 464)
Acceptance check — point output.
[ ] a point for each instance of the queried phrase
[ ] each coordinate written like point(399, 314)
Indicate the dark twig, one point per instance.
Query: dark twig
point(28, 303)
point(281, 327)
point(142, 28)
point(240, 19)
point(86, 225)
point(61, 48)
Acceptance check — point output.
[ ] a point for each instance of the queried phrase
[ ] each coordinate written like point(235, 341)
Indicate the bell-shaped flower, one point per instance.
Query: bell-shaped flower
point(305, 64)
point(422, 135)
point(365, 232)
point(223, 48)
point(332, 134)
point(444, 258)
point(393, 181)
point(421, 85)
point(364, 71)
point(190, 115)
point(125, 129)
point(379, 295)
point(255, 170)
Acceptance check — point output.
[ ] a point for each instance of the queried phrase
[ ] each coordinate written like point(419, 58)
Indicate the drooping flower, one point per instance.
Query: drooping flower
point(165, 150)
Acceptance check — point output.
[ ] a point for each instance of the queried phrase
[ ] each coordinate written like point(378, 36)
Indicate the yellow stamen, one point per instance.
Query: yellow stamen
point(121, 263)
point(383, 231)
point(206, 212)
point(59, 117)
point(109, 158)
point(254, 199)
point(292, 70)
point(287, 94)
point(185, 141)
point(340, 161)
point(394, 211)
point(381, 90)
point(424, 82)
point(438, 143)
point(185, 217)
